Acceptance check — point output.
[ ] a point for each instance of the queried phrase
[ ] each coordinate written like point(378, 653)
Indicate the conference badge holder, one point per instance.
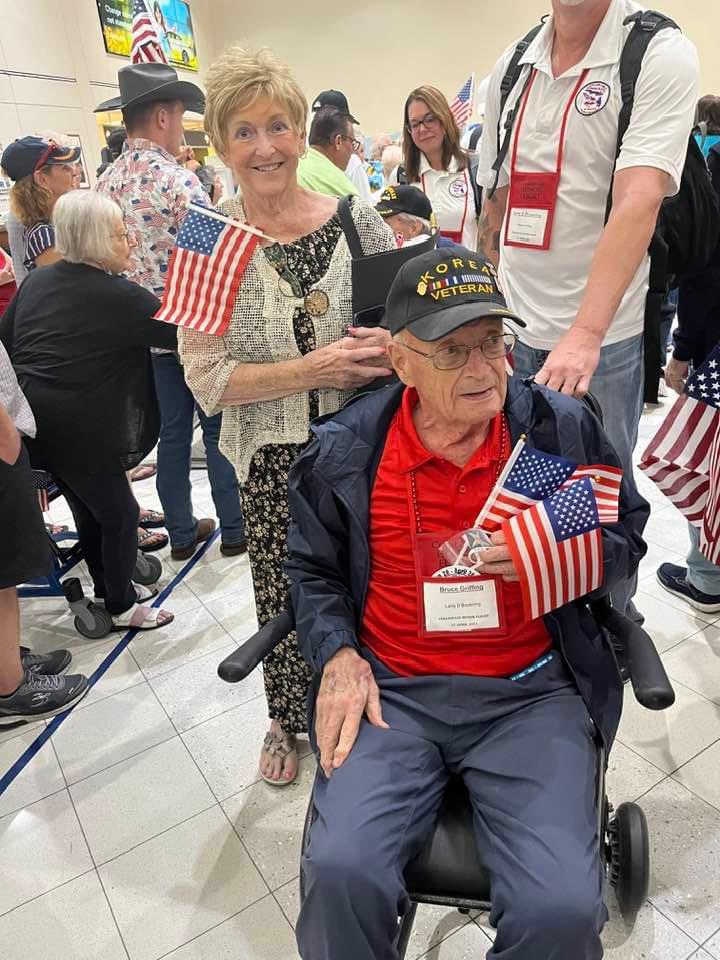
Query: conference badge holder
point(453, 597)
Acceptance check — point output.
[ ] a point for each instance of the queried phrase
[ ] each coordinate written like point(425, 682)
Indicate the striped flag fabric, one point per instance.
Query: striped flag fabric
point(461, 106)
point(146, 46)
point(556, 547)
point(205, 271)
point(606, 487)
point(710, 532)
point(678, 457)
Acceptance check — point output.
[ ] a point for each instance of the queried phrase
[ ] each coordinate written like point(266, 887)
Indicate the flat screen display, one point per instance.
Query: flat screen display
point(172, 20)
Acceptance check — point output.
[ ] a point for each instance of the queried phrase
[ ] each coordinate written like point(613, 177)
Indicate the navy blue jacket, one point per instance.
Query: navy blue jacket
point(329, 557)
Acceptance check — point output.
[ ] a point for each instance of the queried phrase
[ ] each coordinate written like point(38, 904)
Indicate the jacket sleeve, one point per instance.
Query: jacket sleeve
point(317, 565)
point(623, 544)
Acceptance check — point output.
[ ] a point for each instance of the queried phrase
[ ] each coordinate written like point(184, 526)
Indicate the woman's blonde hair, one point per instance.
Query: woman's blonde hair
point(437, 104)
point(30, 202)
point(236, 80)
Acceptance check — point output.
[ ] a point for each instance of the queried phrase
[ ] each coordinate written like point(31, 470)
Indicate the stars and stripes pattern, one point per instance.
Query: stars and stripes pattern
point(710, 532)
point(556, 546)
point(678, 458)
point(461, 106)
point(606, 487)
point(205, 271)
point(146, 46)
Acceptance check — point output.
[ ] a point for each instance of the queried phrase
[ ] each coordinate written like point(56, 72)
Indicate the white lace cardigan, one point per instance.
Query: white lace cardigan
point(261, 331)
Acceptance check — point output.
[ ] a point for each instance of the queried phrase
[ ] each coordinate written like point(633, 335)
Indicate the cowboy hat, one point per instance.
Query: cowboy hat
point(149, 82)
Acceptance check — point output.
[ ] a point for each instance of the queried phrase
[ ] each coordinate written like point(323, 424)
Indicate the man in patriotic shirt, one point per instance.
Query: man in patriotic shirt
point(154, 192)
point(397, 706)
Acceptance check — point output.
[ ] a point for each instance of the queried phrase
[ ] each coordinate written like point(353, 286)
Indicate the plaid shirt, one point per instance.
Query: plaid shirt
point(153, 191)
point(12, 397)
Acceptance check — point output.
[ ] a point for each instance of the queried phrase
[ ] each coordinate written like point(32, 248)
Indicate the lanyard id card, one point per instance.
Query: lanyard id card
point(533, 196)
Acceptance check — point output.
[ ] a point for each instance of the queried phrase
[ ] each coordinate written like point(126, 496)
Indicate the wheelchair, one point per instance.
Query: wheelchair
point(449, 870)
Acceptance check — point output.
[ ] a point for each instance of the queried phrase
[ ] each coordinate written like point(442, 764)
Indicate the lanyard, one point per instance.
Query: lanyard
point(521, 117)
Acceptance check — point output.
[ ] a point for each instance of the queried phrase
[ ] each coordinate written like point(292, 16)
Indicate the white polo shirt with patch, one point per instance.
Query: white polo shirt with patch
point(546, 288)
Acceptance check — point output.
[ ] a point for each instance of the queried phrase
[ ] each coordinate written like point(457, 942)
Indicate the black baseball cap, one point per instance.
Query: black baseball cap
point(333, 98)
point(24, 156)
point(404, 198)
point(438, 292)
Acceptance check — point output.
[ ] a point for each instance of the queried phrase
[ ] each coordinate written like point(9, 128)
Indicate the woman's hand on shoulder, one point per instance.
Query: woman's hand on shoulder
point(348, 363)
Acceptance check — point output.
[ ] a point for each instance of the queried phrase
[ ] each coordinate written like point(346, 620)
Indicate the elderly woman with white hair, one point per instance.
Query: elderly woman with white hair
point(78, 336)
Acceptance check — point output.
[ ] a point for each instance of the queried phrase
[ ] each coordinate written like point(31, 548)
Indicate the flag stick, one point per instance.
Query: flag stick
point(234, 223)
point(501, 480)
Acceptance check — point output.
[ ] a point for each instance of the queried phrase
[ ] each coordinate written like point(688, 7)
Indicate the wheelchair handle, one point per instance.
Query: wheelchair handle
point(241, 662)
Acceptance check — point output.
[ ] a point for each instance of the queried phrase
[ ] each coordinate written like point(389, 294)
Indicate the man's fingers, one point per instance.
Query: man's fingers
point(327, 732)
point(569, 386)
point(374, 709)
point(583, 387)
point(542, 377)
point(348, 736)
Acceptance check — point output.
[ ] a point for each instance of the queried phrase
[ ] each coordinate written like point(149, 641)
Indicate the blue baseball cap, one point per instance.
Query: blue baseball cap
point(28, 154)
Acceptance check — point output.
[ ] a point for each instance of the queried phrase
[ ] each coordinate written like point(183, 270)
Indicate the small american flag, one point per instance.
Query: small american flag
point(146, 45)
point(205, 271)
point(678, 456)
point(461, 106)
point(606, 487)
point(557, 549)
point(710, 532)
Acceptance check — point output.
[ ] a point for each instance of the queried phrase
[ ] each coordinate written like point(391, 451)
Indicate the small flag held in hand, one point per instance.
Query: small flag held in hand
point(556, 547)
point(205, 271)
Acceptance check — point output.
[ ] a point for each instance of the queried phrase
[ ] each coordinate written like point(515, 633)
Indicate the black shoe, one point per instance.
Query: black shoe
point(45, 664)
point(673, 578)
point(233, 549)
point(39, 698)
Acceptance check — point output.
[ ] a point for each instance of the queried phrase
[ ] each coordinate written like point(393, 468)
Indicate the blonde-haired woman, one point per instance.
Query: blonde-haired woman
point(434, 161)
point(286, 356)
point(43, 171)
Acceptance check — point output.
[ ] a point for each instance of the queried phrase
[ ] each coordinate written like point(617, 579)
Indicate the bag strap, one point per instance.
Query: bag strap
point(476, 188)
point(349, 229)
point(646, 25)
point(512, 75)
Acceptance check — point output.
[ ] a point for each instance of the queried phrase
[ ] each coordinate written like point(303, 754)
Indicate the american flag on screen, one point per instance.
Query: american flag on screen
point(205, 271)
point(678, 458)
point(461, 106)
point(146, 46)
point(557, 549)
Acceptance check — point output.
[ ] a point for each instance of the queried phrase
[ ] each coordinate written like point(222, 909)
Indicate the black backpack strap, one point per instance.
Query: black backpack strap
point(476, 188)
point(349, 229)
point(512, 75)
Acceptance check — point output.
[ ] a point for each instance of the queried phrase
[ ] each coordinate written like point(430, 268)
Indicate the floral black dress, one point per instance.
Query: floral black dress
point(265, 504)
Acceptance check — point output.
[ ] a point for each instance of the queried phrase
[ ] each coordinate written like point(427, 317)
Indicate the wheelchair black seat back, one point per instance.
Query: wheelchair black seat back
point(449, 870)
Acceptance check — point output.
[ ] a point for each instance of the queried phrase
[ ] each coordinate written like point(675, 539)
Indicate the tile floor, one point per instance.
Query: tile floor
point(141, 829)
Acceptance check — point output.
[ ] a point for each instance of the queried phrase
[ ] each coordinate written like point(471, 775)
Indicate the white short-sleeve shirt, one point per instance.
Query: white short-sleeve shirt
point(452, 199)
point(546, 288)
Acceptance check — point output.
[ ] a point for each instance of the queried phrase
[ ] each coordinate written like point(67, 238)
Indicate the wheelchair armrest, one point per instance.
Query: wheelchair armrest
point(650, 682)
point(241, 662)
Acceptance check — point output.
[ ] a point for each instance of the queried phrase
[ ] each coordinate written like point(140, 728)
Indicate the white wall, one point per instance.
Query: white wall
point(376, 52)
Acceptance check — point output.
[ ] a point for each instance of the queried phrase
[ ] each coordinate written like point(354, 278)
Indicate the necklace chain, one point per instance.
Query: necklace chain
point(413, 477)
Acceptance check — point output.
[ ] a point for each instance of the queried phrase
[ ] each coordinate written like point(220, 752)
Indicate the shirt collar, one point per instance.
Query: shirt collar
point(139, 144)
point(605, 49)
point(412, 454)
point(426, 168)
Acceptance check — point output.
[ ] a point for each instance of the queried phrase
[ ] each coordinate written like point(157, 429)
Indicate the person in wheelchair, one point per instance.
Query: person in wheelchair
point(519, 713)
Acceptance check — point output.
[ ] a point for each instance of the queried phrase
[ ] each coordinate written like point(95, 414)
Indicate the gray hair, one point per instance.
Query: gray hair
point(412, 218)
point(84, 222)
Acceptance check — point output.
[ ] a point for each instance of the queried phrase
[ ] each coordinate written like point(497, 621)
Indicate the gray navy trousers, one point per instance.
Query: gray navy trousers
point(527, 753)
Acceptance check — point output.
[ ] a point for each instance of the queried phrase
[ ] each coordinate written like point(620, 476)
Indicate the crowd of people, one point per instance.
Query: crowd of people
point(537, 290)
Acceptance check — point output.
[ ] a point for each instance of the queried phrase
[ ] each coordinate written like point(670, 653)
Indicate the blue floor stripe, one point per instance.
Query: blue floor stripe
point(42, 738)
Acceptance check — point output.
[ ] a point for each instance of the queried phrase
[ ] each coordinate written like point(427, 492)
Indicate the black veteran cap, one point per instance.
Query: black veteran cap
point(404, 198)
point(442, 290)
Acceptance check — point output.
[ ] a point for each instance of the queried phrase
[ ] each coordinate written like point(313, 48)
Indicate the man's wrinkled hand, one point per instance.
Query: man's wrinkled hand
point(496, 560)
point(676, 372)
point(347, 692)
point(571, 365)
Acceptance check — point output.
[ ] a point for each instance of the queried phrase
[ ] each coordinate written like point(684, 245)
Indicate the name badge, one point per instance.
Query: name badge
point(527, 227)
point(454, 606)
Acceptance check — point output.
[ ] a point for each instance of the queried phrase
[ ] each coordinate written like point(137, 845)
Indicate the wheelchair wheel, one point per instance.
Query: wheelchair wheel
point(95, 623)
point(147, 570)
point(629, 858)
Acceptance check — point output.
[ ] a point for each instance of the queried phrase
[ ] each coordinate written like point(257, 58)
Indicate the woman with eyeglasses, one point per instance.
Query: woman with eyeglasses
point(286, 356)
point(78, 335)
point(43, 172)
point(434, 161)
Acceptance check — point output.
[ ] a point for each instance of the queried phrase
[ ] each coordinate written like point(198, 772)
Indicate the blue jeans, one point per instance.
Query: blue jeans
point(177, 406)
point(617, 384)
point(701, 574)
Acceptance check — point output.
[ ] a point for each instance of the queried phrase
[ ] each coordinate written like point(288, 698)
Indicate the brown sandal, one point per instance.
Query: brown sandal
point(280, 745)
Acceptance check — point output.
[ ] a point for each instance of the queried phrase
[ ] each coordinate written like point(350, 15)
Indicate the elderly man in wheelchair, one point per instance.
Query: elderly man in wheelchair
point(409, 695)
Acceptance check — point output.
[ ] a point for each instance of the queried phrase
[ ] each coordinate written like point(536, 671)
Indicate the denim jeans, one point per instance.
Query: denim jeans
point(701, 573)
point(177, 406)
point(617, 384)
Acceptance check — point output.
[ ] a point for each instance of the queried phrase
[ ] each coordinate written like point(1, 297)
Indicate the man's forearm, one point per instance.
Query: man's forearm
point(623, 244)
point(490, 226)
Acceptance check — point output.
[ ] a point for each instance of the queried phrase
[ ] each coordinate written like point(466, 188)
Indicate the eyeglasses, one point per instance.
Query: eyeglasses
point(288, 283)
point(356, 144)
point(456, 355)
point(428, 121)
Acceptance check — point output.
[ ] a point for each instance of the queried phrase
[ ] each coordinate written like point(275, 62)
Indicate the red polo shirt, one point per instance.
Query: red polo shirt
point(449, 498)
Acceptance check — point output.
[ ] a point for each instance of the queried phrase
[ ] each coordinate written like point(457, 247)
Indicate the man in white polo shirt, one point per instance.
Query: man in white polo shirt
point(579, 283)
